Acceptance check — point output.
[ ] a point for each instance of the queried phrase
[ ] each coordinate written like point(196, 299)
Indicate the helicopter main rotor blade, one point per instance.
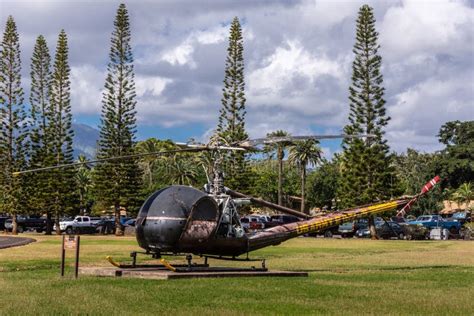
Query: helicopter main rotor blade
point(191, 148)
point(274, 140)
point(210, 147)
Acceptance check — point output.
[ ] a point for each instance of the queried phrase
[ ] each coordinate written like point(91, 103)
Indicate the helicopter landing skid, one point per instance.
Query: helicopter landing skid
point(206, 268)
point(161, 266)
point(189, 266)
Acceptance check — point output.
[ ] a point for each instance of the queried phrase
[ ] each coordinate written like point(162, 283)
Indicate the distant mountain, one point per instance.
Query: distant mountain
point(85, 140)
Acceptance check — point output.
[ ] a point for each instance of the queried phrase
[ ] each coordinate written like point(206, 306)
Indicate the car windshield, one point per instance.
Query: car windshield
point(244, 220)
point(459, 215)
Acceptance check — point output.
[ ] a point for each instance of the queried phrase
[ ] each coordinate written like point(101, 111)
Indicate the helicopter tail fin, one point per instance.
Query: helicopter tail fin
point(426, 188)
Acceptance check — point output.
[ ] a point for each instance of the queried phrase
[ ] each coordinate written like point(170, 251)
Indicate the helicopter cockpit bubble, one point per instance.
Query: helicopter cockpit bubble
point(170, 216)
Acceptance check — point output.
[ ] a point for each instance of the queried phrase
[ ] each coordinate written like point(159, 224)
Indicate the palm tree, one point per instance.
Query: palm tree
point(279, 147)
point(303, 153)
point(464, 194)
point(183, 169)
point(148, 163)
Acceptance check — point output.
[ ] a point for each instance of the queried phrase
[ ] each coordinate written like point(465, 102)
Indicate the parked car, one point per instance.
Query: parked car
point(80, 225)
point(25, 223)
point(387, 230)
point(130, 222)
point(3, 219)
point(432, 221)
point(349, 229)
point(462, 217)
point(327, 233)
point(253, 222)
point(277, 220)
point(398, 219)
point(106, 226)
point(363, 232)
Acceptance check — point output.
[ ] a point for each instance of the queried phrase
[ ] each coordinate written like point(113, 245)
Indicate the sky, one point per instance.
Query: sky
point(298, 63)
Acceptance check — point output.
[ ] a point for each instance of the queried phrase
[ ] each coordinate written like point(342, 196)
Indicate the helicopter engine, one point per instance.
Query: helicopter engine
point(176, 217)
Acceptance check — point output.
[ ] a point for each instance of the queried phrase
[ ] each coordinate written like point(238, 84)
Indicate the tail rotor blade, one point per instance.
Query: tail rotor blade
point(426, 188)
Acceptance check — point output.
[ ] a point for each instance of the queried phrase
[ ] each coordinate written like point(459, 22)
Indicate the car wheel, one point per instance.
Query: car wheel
point(409, 237)
point(20, 229)
point(401, 236)
point(69, 231)
point(453, 230)
point(328, 234)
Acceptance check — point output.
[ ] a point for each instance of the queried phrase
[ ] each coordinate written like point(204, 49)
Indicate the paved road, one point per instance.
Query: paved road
point(7, 241)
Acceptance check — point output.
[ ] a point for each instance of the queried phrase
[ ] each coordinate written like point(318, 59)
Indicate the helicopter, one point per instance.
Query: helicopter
point(182, 220)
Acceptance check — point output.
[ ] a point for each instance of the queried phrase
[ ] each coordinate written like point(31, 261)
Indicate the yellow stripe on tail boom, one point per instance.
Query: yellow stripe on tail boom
point(316, 224)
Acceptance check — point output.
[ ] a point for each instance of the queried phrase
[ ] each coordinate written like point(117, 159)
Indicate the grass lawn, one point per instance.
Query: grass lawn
point(347, 276)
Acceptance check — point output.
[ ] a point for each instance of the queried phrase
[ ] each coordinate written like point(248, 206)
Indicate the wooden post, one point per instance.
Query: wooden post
point(63, 255)
point(78, 240)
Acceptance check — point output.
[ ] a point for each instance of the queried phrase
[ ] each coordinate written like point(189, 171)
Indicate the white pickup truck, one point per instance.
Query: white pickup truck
point(80, 224)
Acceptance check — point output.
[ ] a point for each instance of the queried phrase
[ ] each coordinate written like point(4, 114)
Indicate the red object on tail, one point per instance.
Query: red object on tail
point(426, 188)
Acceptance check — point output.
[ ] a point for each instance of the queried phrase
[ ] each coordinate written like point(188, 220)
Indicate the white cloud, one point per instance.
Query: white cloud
point(326, 14)
point(183, 53)
point(153, 86)
point(180, 55)
point(86, 89)
point(288, 63)
point(421, 27)
point(419, 111)
point(212, 36)
point(302, 87)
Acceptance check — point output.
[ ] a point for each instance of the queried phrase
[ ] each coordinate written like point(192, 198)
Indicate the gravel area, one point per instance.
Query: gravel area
point(8, 241)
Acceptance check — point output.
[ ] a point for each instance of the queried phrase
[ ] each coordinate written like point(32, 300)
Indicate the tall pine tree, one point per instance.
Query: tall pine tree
point(41, 138)
point(366, 173)
point(13, 129)
point(231, 126)
point(62, 180)
point(118, 182)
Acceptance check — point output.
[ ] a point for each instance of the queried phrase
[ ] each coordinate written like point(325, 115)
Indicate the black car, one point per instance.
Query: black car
point(277, 220)
point(349, 229)
point(3, 219)
point(25, 223)
point(387, 230)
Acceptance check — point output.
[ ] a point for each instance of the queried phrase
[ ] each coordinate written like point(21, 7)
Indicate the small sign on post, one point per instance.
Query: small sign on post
point(71, 242)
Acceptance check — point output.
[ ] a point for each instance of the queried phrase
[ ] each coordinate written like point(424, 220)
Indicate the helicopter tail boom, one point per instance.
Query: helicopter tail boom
point(278, 234)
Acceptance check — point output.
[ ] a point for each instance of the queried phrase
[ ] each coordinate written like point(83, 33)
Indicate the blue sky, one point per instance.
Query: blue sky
point(298, 57)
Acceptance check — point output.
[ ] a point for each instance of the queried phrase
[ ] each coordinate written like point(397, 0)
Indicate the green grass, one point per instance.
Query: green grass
point(346, 277)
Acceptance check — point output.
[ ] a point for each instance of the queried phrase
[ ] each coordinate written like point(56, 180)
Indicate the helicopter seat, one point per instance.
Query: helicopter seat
point(201, 224)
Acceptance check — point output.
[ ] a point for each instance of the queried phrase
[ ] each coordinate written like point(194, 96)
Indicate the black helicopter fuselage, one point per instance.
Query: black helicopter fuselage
point(181, 219)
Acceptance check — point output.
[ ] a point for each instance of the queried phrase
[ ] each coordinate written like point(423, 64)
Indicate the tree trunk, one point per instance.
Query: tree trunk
point(49, 227)
point(280, 176)
point(373, 232)
point(118, 226)
point(81, 203)
point(14, 225)
point(303, 188)
point(56, 222)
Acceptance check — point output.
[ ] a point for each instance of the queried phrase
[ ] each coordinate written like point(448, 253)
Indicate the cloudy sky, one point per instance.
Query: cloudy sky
point(298, 57)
